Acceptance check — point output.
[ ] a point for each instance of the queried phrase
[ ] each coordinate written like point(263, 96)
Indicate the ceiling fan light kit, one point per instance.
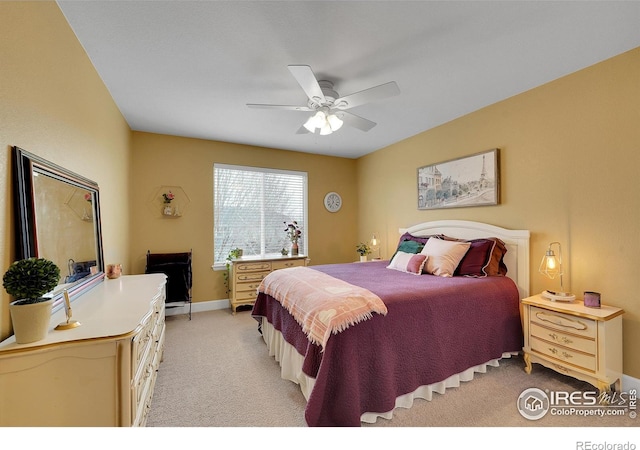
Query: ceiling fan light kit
point(328, 108)
point(323, 121)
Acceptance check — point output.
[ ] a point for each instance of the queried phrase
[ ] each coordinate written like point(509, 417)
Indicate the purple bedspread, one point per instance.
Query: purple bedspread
point(435, 327)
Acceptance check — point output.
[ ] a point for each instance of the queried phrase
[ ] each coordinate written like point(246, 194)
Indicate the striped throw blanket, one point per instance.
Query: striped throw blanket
point(321, 304)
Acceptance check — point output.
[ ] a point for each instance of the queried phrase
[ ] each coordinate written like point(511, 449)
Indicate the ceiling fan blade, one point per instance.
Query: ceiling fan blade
point(356, 121)
point(368, 95)
point(288, 107)
point(308, 82)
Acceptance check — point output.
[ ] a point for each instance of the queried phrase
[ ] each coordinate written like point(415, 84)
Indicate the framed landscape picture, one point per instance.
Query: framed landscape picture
point(472, 180)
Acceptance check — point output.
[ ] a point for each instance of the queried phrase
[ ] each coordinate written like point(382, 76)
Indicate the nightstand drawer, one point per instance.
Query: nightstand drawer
point(275, 265)
point(564, 322)
point(564, 354)
point(554, 336)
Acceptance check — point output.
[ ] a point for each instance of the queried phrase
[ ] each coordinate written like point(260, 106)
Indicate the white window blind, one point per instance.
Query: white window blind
point(251, 206)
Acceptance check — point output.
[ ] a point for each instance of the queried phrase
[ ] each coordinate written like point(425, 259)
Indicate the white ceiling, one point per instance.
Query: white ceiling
point(188, 68)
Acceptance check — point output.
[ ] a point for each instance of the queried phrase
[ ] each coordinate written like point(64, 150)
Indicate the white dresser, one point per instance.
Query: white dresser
point(101, 373)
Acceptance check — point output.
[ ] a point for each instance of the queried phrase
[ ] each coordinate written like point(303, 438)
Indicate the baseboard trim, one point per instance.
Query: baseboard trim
point(628, 382)
point(210, 305)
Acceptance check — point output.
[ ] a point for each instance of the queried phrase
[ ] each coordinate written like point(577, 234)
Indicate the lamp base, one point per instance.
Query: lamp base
point(68, 325)
point(558, 296)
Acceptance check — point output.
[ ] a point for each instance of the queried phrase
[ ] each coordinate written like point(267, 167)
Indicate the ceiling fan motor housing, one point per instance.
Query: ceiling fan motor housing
point(329, 96)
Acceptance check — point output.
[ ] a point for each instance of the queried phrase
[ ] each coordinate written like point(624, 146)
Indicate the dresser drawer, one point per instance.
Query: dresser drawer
point(252, 267)
point(564, 322)
point(275, 265)
point(146, 375)
point(564, 354)
point(248, 287)
point(250, 277)
point(246, 295)
point(142, 341)
point(556, 337)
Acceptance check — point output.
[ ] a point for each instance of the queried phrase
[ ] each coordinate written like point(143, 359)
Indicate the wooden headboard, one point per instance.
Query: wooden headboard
point(516, 241)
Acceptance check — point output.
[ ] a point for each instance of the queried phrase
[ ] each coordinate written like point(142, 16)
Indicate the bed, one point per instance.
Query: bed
point(432, 331)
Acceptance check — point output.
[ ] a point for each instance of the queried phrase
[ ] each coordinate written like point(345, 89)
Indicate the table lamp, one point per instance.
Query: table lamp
point(551, 266)
point(375, 247)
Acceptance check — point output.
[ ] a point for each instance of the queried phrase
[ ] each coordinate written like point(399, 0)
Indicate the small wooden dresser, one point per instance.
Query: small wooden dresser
point(101, 373)
point(247, 272)
point(570, 338)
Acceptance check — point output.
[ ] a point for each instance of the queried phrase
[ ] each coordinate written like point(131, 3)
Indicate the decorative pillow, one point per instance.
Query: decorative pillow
point(408, 241)
point(484, 258)
point(444, 256)
point(497, 267)
point(408, 262)
point(410, 237)
point(409, 246)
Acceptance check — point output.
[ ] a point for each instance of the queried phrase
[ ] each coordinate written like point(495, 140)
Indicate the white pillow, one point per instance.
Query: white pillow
point(408, 262)
point(444, 256)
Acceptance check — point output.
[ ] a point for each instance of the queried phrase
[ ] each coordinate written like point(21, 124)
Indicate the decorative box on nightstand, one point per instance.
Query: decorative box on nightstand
point(572, 339)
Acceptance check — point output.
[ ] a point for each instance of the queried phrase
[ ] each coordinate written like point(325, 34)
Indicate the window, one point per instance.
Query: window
point(251, 206)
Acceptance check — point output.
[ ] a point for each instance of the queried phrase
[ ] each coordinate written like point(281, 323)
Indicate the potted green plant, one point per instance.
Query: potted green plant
point(363, 250)
point(234, 253)
point(28, 280)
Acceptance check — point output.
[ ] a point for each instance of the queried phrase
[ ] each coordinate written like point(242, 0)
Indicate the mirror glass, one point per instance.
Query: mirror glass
point(58, 216)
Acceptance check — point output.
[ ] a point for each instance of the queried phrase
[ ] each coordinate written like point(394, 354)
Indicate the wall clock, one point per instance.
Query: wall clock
point(333, 202)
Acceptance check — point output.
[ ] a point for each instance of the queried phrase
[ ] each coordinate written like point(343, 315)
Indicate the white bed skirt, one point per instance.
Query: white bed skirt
point(291, 369)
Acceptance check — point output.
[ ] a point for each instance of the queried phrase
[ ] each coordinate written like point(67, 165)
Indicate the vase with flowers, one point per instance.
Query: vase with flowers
point(293, 234)
point(168, 198)
point(363, 250)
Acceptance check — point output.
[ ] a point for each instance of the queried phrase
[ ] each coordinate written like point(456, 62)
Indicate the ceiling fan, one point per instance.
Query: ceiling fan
point(330, 110)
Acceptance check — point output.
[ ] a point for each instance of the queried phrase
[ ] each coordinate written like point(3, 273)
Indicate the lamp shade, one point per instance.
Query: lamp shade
point(323, 121)
point(335, 122)
point(551, 266)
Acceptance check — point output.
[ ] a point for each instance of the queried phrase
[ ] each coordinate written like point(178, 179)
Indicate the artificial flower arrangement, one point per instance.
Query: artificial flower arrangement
point(293, 231)
point(363, 249)
point(168, 196)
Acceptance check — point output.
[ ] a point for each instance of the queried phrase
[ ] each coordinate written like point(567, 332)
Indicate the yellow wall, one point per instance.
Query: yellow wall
point(53, 104)
point(570, 158)
point(160, 160)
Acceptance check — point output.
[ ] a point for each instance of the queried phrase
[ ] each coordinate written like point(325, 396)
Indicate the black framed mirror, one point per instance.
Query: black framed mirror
point(58, 218)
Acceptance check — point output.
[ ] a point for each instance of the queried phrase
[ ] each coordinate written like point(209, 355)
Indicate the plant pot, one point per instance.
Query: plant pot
point(363, 258)
point(30, 321)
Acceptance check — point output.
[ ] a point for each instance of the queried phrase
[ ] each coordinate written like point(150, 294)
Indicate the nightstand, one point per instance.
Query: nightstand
point(572, 339)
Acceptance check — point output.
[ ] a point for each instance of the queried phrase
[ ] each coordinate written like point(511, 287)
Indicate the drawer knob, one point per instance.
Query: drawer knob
point(564, 355)
point(563, 339)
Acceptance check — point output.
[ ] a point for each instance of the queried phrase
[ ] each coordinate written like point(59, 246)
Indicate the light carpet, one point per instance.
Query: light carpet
point(216, 373)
